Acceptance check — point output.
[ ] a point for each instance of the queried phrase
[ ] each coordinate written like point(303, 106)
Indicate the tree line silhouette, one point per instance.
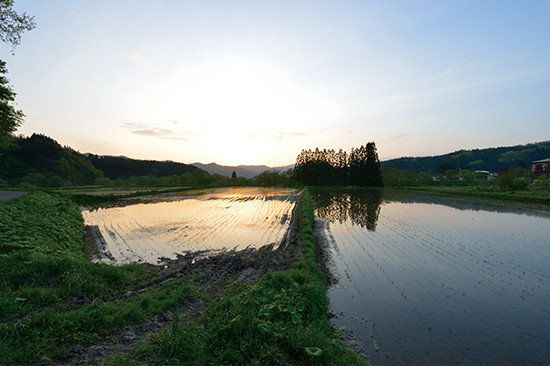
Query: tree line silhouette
point(40, 161)
point(361, 167)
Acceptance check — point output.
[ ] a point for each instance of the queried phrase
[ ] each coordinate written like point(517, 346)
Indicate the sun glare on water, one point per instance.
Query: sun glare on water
point(210, 221)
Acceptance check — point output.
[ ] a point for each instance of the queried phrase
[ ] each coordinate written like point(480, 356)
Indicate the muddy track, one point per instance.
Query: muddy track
point(211, 275)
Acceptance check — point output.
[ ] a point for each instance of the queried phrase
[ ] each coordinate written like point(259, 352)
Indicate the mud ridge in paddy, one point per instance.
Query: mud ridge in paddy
point(325, 248)
point(325, 242)
point(211, 275)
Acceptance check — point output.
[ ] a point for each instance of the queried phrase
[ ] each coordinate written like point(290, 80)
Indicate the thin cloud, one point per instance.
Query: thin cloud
point(152, 131)
point(144, 129)
point(397, 137)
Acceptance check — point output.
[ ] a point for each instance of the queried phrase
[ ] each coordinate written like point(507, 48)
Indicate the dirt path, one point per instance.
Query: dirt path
point(8, 195)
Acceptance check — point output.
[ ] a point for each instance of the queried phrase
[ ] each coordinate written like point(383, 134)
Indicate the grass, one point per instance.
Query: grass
point(535, 196)
point(52, 331)
point(42, 259)
point(44, 268)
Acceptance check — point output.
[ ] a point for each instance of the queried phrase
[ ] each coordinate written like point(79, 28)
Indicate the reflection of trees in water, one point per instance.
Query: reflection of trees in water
point(467, 203)
point(360, 207)
point(363, 207)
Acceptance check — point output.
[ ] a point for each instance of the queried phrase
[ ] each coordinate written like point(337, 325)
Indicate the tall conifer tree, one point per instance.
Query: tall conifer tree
point(372, 167)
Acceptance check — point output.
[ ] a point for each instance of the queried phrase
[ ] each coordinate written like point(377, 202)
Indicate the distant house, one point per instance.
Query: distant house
point(540, 167)
point(487, 174)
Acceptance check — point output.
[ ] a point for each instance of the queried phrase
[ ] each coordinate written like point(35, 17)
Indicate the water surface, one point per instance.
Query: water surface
point(206, 221)
point(425, 279)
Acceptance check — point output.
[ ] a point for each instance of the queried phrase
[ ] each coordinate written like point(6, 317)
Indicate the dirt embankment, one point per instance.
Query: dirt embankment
point(211, 275)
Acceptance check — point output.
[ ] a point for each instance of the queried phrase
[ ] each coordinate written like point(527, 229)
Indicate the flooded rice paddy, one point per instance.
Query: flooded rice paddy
point(203, 221)
point(424, 279)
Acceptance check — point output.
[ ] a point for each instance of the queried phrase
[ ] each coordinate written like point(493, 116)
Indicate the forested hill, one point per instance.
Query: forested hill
point(492, 159)
point(40, 161)
point(120, 167)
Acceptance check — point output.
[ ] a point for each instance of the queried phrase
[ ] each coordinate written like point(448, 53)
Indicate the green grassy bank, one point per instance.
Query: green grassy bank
point(531, 195)
point(42, 256)
point(45, 274)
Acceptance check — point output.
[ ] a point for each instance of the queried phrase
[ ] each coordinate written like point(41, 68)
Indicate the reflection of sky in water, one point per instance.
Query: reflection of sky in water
point(209, 220)
point(441, 283)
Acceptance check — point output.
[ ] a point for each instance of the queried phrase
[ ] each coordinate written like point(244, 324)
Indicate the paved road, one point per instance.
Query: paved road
point(8, 195)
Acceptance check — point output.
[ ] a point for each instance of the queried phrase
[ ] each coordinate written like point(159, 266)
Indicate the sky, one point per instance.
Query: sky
point(255, 82)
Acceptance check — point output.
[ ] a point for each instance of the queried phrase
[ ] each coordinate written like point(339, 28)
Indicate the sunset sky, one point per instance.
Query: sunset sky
point(255, 82)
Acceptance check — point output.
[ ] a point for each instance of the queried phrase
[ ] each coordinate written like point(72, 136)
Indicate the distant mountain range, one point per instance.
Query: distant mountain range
point(491, 159)
point(246, 171)
point(112, 165)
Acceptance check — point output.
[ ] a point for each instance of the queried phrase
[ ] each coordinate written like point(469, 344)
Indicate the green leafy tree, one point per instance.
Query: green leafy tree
point(425, 178)
point(12, 26)
point(542, 182)
point(10, 117)
point(512, 179)
point(187, 179)
point(450, 173)
point(468, 175)
point(398, 178)
point(106, 182)
point(202, 178)
point(271, 178)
